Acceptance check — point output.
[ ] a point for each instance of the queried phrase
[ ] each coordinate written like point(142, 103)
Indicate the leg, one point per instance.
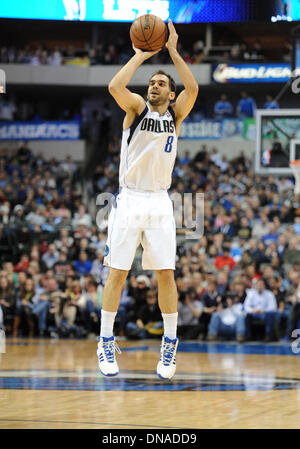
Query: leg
point(111, 300)
point(227, 331)
point(112, 290)
point(167, 291)
point(269, 320)
point(110, 303)
point(133, 331)
point(204, 321)
point(121, 318)
point(240, 328)
point(168, 302)
point(248, 321)
point(17, 321)
point(28, 315)
point(214, 326)
point(91, 315)
point(289, 321)
point(158, 240)
point(41, 311)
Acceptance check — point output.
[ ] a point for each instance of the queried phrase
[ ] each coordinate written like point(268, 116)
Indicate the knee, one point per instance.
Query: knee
point(165, 276)
point(117, 277)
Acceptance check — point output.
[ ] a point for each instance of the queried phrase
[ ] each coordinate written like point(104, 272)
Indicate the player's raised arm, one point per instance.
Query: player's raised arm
point(186, 99)
point(126, 99)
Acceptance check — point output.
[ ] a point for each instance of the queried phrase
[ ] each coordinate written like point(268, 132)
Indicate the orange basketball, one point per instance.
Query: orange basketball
point(149, 32)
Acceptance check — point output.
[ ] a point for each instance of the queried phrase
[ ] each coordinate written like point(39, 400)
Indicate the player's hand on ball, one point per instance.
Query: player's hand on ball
point(173, 37)
point(145, 54)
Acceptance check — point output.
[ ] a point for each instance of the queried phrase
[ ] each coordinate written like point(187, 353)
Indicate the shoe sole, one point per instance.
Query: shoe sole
point(163, 378)
point(109, 375)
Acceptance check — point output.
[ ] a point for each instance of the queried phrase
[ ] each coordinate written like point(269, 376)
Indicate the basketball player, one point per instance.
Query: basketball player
point(143, 210)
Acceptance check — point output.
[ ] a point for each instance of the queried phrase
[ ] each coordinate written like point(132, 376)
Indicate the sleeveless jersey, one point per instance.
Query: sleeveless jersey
point(148, 151)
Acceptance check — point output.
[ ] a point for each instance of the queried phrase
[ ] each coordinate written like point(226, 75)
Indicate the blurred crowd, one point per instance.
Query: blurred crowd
point(240, 280)
point(120, 53)
point(13, 108)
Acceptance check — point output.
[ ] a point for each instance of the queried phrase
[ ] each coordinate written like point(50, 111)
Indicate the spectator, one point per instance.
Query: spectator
point(148, 322)
point(125, 303)
point(7, 302)
point(138, 288)
point(51, 256)
point(235, 52)
point(225, 260)
point(257, 53)
point(48, 181)
point(223, 108)
point(92, 309)
point(215, 156)
point(261, 226)
point(7, 109)
point(227, 229)
point(55, 59)
point(189, 312)
point(83, 266)
point(81, 217)
point(222, 281)
point(186, 159)
point(228, 320)
point(270, 103)
point(4, 217)
point(272, 235)
point(293, 321)
point(210, 300)
point(246, 106)
point(35, 217)
point(260, 305)
point(67, 318)
point(291, 255)
point(68, 166)
point(23, 264)
point(244, 230)
point(284, 308)
point(24, 309)
point(60, 268)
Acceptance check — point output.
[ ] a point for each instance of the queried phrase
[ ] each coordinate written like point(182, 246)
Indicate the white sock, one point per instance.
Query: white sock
point(107, 323)
point(170, 324)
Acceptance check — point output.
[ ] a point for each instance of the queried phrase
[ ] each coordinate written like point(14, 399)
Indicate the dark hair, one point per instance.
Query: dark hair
point(172, 83)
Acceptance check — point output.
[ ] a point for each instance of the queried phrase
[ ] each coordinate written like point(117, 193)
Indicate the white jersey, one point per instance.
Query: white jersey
point(148, 151)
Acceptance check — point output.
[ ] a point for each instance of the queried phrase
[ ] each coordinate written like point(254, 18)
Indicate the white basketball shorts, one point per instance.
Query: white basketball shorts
point(144, 218)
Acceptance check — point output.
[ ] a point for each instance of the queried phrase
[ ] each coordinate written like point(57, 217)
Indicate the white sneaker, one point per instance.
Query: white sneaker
point(166, 366)
point(106, 356)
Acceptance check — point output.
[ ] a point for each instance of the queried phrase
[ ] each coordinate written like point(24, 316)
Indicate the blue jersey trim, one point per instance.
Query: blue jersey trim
point(135, 123)
point(172, 112)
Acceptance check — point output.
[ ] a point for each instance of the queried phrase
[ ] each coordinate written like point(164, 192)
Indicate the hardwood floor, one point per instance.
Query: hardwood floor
point(48, 384)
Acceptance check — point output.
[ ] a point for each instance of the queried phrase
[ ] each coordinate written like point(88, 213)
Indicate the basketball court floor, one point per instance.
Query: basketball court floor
point(55, 384)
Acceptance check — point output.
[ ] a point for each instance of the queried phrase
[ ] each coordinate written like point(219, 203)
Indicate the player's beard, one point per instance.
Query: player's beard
point(157, 100)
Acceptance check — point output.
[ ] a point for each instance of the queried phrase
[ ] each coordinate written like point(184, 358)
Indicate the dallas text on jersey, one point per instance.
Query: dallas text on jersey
point(149, 124)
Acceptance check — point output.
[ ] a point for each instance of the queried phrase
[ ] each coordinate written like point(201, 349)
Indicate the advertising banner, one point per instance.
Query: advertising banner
point(212, 129)
point(67, 130)
point(251, 73)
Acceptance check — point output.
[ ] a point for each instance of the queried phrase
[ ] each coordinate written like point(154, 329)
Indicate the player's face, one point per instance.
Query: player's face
point(159, 90)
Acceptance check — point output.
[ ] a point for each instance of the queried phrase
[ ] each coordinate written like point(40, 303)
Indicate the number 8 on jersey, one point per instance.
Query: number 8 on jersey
point(168, 147)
